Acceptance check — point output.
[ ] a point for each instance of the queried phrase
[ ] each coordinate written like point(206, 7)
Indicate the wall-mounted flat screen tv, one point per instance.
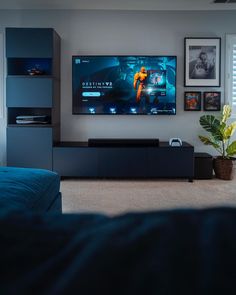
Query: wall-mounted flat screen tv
point(124, 85)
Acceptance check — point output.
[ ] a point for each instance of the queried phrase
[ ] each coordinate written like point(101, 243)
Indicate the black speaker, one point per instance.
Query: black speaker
point(123, 142)
point(203, 166)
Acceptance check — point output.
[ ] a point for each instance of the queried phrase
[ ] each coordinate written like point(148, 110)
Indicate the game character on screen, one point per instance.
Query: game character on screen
point(141, 79)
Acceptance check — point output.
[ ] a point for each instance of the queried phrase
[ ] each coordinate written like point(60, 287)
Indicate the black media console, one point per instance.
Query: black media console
point(78, 159)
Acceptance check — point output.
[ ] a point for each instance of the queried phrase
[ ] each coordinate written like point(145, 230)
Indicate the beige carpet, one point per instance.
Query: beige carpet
point(120, 196)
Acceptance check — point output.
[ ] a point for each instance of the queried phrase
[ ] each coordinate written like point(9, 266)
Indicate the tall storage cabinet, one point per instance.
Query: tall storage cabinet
point(32, 89)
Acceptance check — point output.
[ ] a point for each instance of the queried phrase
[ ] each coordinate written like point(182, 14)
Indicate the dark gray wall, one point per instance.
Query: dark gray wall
point(2, 115)
point(127, 32)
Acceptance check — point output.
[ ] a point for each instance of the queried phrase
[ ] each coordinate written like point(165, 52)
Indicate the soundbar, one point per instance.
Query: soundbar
point(123, 142)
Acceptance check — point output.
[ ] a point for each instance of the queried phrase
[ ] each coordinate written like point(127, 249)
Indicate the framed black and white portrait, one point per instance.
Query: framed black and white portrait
point(202, 62)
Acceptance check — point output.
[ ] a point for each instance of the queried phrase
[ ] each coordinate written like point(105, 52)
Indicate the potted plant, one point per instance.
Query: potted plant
point(220, 138)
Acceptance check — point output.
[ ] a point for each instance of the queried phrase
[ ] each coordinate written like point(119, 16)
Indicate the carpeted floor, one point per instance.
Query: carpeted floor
point(119, 196)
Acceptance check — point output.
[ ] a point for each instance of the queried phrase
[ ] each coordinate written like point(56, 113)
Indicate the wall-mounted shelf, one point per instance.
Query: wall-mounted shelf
point(25, 66)
point(30, 125)
point(13, 113)
point(29, 76)
point(32, 89)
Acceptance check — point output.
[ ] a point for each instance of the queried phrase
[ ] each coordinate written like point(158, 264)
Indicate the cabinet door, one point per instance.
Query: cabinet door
point(29, 42)
point(122, 162)
point(75, 161)
point(171, 162)
point(29, 147)
point(29, 92)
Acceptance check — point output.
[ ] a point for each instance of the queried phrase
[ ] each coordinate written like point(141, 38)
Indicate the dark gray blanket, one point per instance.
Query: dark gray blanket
point(170, 252)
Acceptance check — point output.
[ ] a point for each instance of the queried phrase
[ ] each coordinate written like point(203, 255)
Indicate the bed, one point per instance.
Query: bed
point(27, 189)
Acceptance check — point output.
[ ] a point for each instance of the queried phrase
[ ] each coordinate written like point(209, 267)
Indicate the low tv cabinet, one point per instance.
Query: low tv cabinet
point(77, 159)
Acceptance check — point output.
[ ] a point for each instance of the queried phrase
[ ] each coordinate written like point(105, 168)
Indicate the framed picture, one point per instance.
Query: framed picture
point(212, 101)
point(192, 101)
point(202, 62)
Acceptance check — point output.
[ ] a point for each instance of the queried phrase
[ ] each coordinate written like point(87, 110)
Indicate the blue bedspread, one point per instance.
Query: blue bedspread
point(27, 189)
point(161, 253)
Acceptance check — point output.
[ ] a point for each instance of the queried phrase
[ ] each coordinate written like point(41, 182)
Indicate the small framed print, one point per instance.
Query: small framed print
point(212, 101)
point(202, 62)
point(192, 101)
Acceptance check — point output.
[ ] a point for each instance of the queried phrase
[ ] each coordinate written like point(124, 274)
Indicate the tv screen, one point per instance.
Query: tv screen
point(124, 85)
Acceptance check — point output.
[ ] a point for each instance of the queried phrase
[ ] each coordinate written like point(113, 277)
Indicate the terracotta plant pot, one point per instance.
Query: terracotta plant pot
point(223, 168)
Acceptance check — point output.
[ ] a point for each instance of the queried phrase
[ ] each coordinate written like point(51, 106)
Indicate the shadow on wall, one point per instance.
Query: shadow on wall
point(2, 115)
point(2, 142)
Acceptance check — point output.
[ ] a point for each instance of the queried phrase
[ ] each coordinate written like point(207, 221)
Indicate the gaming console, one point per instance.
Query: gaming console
point(32, 119)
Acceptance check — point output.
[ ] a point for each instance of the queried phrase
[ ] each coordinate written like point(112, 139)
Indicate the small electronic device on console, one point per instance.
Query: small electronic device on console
point(175, 142)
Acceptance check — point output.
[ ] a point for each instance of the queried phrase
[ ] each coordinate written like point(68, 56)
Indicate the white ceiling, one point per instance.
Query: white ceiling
point(117, 4)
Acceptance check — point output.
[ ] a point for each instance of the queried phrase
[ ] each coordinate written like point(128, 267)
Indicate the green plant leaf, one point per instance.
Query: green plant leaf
point(229, 131)
point(231, 149)
point(212, 125)
point(208, 141)
point(226, 113)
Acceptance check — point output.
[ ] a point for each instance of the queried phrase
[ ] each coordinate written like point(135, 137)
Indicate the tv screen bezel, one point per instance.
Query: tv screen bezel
point(126, 114)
